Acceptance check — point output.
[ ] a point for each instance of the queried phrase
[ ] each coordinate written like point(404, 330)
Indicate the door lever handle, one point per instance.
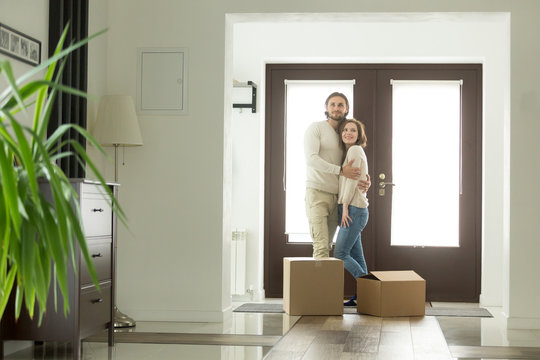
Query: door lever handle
point(383, 184)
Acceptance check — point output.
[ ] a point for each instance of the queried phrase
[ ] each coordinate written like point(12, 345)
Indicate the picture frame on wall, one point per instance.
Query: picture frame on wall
point(19, 46)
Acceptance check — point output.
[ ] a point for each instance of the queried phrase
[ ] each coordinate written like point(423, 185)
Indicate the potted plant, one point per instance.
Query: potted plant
point(37, 236)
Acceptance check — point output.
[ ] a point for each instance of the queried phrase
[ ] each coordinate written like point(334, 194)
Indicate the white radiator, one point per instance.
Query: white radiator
point(238, 262)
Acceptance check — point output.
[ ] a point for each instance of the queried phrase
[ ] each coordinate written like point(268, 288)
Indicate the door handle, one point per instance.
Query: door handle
point(383, 184)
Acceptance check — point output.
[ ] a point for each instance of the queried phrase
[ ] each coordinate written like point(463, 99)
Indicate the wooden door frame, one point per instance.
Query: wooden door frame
point(274, 107)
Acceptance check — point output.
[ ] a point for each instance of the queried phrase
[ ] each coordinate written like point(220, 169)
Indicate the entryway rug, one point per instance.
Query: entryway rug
point(260, 308)
point(459, 312)
point(430, 311)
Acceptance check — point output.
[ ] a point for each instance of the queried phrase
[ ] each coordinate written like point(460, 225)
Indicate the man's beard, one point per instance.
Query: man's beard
point(338, 119)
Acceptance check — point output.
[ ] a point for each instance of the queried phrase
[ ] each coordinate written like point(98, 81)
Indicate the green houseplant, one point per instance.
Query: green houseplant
point(37, 237)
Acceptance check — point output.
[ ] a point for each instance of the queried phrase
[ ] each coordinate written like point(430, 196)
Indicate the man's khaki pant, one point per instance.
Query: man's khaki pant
point(322, 213)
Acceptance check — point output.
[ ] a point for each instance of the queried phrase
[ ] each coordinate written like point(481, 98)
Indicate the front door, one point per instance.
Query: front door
point(427, 177)
point(452, 271)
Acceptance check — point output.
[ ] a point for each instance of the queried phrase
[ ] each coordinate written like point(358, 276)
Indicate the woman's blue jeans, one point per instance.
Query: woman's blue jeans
point(349, 242)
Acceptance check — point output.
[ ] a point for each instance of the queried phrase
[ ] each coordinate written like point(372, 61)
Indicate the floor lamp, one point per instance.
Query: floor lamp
point(117, 125)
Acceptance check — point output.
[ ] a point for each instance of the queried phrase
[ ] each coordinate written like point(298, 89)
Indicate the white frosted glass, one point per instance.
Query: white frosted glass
point(305, 104)
point(425, 163)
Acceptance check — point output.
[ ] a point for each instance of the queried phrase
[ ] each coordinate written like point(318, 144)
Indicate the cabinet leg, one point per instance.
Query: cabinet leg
point(111, 334)
point(77, 349)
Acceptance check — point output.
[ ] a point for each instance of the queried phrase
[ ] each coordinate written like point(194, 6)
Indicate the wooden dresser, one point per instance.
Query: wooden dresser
point(90, 310)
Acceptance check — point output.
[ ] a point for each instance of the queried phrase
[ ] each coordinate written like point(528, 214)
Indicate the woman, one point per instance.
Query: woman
point(353, 203)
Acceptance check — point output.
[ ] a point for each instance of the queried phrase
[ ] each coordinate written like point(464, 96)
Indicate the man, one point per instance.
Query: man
point(323, 158)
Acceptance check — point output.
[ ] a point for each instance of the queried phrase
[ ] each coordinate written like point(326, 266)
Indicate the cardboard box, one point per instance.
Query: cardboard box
point(391, 293)
point(312, 286)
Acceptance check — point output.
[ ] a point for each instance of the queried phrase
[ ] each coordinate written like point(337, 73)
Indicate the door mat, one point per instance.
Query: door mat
point(430, 311)
point(458, 312)
point(260, 308)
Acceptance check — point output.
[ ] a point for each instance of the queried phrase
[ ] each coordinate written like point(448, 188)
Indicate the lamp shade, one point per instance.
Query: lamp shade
point(116, 122)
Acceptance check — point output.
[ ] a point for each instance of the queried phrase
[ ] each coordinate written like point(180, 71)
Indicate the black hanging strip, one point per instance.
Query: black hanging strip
point(69, 108)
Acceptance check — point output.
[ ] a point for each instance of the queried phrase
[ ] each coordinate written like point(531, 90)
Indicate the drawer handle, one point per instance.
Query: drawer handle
point(97, 255)
point(97, 210)
point(96, 301)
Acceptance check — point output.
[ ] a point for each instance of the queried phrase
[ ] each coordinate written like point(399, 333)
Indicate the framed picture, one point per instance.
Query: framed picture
point(19, 46)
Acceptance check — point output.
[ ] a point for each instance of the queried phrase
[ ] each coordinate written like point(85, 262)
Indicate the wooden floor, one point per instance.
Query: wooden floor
point(362, 337)
point(373, 338)
point(280, 336)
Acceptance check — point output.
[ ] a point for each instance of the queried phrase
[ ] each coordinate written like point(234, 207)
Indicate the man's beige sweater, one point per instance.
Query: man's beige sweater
point(323, 157)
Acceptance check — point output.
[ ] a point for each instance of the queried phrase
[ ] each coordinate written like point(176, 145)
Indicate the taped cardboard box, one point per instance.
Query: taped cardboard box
point(391, 293)
point(312, 286)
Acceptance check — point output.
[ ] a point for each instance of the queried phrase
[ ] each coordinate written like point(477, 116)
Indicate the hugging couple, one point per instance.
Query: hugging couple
point(336, 184)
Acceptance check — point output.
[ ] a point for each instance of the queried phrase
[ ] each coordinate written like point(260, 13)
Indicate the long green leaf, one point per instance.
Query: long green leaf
point(30, 300)
point(48, 76)
point(6, 234)
point(26, 157)
point(18, 300)
point(7, 286)
point(6, 137)
point(15, 105)
point(36, 87)
point(28, 260)
point(56, 137)
point(41, 284)
point(9, 190)
point(58, 256)
point(13, 88)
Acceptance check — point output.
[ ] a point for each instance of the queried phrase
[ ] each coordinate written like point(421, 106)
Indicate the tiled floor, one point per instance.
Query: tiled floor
point(351, 336)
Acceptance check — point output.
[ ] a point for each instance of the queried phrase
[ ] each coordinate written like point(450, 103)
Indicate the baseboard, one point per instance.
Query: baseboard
point(522, 323)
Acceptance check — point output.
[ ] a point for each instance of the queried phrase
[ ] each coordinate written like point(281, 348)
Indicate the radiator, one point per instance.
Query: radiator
point(238, 262)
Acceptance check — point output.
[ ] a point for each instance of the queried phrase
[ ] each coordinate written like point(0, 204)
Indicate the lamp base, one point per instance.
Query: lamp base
point(121, 320)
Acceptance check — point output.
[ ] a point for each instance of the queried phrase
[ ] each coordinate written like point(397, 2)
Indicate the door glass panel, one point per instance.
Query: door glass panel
point(304, 105)
point(425, 163)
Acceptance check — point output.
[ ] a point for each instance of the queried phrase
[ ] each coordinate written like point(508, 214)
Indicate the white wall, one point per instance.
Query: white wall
point(170, 265)
point(14, 14)
point(374, 38)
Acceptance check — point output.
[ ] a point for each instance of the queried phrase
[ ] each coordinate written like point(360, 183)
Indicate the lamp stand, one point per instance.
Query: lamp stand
point(121, 320)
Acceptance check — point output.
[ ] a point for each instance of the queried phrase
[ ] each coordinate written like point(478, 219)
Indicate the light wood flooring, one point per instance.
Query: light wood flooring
point(374, 338)
point(280, 336)
point(362, 337)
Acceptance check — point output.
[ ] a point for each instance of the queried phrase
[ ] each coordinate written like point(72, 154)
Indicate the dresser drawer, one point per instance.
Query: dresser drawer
point(95, 308)
point(96, 213)
point(100, 252)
